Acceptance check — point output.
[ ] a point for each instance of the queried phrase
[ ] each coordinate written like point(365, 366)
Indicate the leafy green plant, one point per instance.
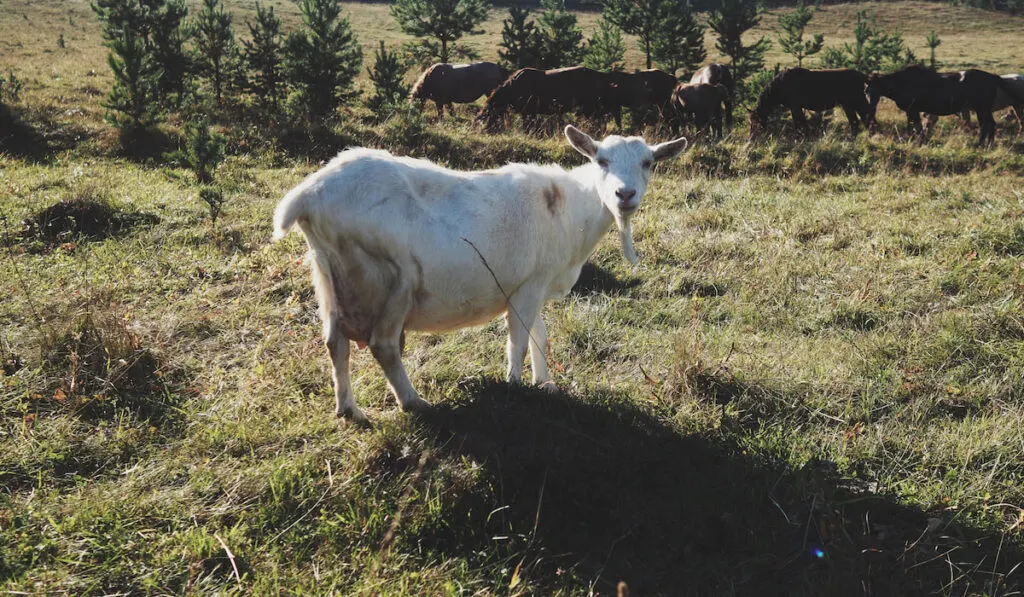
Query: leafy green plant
point(10, 89)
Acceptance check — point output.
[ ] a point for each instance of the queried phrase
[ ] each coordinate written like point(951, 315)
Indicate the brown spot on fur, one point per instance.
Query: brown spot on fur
point(553, 198)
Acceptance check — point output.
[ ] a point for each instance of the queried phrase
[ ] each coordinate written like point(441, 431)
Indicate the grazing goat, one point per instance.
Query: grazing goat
point(400, 244)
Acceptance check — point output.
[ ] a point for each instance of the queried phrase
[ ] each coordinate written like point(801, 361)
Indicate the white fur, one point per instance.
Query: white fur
point(394, 246)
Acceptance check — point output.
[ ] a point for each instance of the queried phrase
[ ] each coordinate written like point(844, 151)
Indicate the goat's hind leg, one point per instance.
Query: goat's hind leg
point(386, 346)
point(339, 349)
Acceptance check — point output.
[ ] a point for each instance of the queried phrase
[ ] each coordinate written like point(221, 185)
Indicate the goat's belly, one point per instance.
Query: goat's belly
point(439, 316)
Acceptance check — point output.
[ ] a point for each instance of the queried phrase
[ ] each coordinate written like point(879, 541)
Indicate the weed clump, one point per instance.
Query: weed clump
point(10, 361)
point(87, 216)
point(96, 366)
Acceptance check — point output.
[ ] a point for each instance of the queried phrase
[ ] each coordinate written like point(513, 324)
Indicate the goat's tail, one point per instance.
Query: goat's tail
point(290, 210)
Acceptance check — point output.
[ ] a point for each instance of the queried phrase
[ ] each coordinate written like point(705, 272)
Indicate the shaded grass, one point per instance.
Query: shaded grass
point(85, 217)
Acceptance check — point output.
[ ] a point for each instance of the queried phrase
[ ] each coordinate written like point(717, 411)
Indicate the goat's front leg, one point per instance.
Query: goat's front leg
point(338, 347)
point(523, 310)
point(538, 355)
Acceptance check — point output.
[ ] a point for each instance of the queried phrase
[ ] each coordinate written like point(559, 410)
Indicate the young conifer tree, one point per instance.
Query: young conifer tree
point(443, 20)
point(562, 38)
point(217, 51)
point(133, 102)
point(388, 77)
point(605, 50)
point(263, 56)
point(932, 41)
point(636, 17)
point(678, 42)
point(521, 42)
point(730, 21)
point(792, 40)
point(170, 34)
point(322, 60)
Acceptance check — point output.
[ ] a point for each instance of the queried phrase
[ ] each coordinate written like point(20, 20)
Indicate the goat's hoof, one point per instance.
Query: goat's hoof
point(548, 386)
point(417, 406)
point(354, 416)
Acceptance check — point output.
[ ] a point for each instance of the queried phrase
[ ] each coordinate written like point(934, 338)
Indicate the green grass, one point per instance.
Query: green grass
point(821, 350)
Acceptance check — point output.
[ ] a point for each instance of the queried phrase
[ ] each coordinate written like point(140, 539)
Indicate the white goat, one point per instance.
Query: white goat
point(403, 244)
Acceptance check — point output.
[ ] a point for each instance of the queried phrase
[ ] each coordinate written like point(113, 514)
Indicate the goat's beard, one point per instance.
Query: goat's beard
point(625, 226)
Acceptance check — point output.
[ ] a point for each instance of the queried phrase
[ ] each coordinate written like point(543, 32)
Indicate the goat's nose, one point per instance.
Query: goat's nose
point(625, 195)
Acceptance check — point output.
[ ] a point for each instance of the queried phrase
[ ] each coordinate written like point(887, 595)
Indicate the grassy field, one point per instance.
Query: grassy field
point(813, 384)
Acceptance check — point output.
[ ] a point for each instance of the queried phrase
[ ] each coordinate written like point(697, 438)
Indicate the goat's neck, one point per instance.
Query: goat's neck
point(590, 218)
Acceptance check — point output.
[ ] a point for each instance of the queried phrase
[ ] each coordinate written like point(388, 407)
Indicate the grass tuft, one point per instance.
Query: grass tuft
point(87, 216)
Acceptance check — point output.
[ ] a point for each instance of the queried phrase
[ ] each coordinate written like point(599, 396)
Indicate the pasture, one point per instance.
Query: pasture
point(812, 384)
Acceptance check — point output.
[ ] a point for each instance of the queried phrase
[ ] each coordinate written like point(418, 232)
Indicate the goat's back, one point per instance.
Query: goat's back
point(449, 234)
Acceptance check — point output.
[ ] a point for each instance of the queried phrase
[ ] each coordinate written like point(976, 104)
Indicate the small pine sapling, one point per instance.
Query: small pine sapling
point(730, 21)
point(442, 21)
point(605, 50)
point(387, 75)
point(133, 102)
point(636, 17)
point(678, 39)
point(204, 149)
point(214, 199)
point(792, 40)
point(562, 38)
point(217, 50)
point(264, 58)
point(322, 60)
point(521, 42)
point(932, 41)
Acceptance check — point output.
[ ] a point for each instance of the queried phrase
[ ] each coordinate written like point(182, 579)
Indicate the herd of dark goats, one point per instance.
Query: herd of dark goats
point(705, 101)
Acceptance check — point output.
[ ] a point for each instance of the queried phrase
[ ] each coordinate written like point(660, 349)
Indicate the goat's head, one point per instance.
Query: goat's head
point(623, 171)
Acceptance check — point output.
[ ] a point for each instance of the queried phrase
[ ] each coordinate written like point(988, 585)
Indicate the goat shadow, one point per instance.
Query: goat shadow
point(603, 491)
point(595, 279)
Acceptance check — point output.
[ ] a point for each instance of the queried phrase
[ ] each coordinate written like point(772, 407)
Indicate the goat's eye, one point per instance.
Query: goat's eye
point(646, 164)
point(602, 163)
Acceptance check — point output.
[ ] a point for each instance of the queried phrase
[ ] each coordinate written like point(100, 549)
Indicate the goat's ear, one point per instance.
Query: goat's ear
point(669, 149)
point(581, 141)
